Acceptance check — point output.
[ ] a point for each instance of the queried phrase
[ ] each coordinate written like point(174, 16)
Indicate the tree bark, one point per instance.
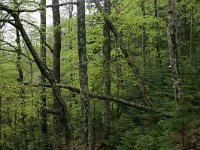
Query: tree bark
point(58, 130)
point(20, 79)
point(106, 80)
point(0, 121)
point(18, 62)
point(179, 28)
point(172, 44)
point(47, 73)
point(1, 36)
point(191, 33)
point(43, 80)
point(85, 106)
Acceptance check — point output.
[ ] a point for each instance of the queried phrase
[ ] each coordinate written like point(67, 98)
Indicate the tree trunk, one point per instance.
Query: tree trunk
point(43, 80)
point(85, 106)
point(172, 44)
point(106, 80)
point(1, 36)
point(0, 122)
point(157, 15)
point(143, 37)
point(18, 62)
point(191, 33)
point(47, 73)
point(179, 28)
point(20, 79)
point(127, 56)
point(58, 128)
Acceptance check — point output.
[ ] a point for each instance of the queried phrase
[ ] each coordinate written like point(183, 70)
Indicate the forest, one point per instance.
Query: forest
point(99, 75)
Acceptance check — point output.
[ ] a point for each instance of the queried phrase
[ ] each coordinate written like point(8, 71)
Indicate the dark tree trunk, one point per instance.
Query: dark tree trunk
point(18, 62)
point(157, 27)
point(1, 36)
point(58, 130)
point(106, 80)
point(144, 53)
point(71, 8)
point(179, 27)
point(85, 106)
point(118, 74)
point(43, 80)
point(70, 11)
point(191, 33)
point(20, 79)
point(172, 44)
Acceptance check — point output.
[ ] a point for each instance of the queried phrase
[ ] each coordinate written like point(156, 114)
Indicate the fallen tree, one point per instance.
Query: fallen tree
point(152, 110)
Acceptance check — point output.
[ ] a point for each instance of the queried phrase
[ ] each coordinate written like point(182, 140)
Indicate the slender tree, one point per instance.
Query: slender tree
point(144, 52)
point(20, 79)
point(0, 121)
point(172, 44)
point(157, 27)
point(43, 80)
point(85, 106)
point(179, 27)
point(106, 80)
point(191, 32)
point(58, 143)
point(1, 37)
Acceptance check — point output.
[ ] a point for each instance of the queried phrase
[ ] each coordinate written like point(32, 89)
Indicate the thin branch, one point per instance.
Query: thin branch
point(48, 6)
point(50, 111)
point(14, 51)
point(7, 17)
point(6, 20)
point(49, 47)
point(5, 8)
point(7, 43)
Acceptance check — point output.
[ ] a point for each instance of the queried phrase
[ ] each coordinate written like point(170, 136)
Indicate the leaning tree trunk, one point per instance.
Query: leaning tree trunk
point(85, 106)
point(43, 80)
point(106, 80)
point(127, 56)
point(50, 77)
point(172, 44)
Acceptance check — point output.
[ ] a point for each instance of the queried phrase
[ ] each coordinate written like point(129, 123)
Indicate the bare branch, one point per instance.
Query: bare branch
point(49, 47)
point(14, 51)
point(48, 6)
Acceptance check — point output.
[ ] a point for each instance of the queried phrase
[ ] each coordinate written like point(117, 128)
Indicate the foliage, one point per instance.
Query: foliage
point(130, 128)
